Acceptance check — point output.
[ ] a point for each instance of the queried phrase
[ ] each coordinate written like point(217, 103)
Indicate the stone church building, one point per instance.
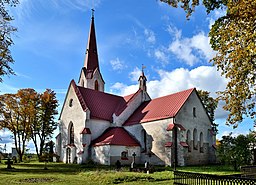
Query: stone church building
point(102, 127)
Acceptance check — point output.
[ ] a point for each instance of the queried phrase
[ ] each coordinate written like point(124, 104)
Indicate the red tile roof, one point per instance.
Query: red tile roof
point(168, 144)
point(184, 144)
point(171, 126)
point(101, 105)
point(115, 136)
point(159, 108)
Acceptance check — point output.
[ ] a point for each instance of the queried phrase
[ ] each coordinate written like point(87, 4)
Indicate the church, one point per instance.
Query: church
point(103, 128)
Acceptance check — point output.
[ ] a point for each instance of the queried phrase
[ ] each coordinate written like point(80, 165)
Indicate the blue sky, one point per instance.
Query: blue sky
point(52, 36)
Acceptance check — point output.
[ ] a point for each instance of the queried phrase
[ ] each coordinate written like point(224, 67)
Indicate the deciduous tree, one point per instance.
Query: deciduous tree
point(235, 150)
point(233, 36)
point(43, 126)
point(17, 112)
point(29, 115)
point(5, 37)
point(210, 105)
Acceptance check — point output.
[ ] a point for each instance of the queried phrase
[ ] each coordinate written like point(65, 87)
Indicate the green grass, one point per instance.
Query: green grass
point(211, 169)
point(60, 174)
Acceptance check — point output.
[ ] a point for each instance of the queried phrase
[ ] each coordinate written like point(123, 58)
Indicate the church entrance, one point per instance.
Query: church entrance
point(68, 155)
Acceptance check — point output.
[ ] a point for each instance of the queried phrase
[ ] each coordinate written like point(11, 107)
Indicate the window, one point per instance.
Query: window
point(71, 102)
point(195, 139)
point(71, 134)
point(144, 140)
point(194, 112)
point(189, 140)
point(82, 83)
point(124, 155)
point(201, 143)
point(96, 85)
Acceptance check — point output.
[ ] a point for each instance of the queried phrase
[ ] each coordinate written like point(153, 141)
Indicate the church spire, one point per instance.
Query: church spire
point(142, 79)
point(91, 60)
point(90, 76)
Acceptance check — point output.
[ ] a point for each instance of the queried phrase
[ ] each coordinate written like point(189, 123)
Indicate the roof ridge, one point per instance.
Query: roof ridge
point(79, 95)
point(120, 109)
point(191, 89)
point(100, 92)
point(149, 110)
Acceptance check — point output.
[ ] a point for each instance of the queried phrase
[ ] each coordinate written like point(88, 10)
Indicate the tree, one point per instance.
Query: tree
point(5, 38)
point(29, 115)
point(235, 150)
point(233, 36)
point(43, 126)
point(252, 139)
point(17, 111)
point(210, 105)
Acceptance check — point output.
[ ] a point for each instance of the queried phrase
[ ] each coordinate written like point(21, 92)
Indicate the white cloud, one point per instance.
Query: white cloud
point(201, 42)
point(150, 36)
point(190, 50)
point(135, 74)
point(161, 56)
point(183, 51)
point(204, 77)
point(122, 89)
point(117, 64)
point(4, 88)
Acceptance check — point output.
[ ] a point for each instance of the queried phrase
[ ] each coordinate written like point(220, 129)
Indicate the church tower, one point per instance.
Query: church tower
point(90, 76)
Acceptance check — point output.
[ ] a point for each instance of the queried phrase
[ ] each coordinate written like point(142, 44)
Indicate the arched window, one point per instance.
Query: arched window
point(71, 134)
point(144, 140)
point(194, 112)
point(195, 140)
point(71, 102)
point(201, 143)
point(188, 141)
point(82, 83)
point(96, 85)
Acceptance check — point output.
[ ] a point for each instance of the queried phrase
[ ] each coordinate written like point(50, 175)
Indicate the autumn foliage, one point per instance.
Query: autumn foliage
point(29, 115)
point(233, 37)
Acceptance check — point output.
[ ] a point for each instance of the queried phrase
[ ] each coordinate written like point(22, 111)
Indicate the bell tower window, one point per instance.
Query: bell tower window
point(82, 83)
point(96, 85)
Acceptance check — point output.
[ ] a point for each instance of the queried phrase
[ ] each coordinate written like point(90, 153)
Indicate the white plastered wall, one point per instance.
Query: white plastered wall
point(77, 116)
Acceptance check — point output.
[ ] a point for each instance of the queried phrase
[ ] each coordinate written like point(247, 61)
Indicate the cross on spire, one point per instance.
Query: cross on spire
point(93, 13)
point(142, 68)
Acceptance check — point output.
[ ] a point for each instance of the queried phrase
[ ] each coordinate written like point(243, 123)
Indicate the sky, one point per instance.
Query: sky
point(51, 41)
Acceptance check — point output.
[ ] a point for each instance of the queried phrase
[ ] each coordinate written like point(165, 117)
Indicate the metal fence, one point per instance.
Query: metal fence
point(187, 178)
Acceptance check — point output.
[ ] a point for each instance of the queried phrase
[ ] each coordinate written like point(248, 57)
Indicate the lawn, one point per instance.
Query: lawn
point(60, 174)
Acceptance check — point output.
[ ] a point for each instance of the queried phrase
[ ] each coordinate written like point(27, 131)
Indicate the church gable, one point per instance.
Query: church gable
point(72, 101)
point(193, 109)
